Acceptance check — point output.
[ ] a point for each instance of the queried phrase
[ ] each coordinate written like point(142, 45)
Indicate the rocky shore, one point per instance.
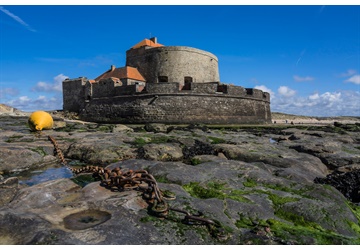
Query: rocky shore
point(255, 182)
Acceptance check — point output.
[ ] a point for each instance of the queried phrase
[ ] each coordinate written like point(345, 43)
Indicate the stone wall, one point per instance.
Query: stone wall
point(175, 63)
point(105, 87)
point(178, 108)
point(128, 90)
point(163, 87)
point(205, 88)
point(256, 93)
point(234, 90)
point(213, 103)
point(128, 81)
point(74, 94)
point(175, 87)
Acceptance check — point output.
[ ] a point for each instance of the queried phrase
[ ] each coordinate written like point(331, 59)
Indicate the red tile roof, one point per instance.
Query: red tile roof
point(146, 42)
point(121, 73)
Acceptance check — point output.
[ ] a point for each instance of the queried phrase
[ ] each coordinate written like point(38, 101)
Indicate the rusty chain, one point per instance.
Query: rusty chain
point(57, 151)
point(141, 180)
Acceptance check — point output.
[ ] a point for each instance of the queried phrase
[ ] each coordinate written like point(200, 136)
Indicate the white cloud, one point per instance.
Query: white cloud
point(338, 103)
point(349, 72)
point(265, 89)
point(41, 102)
point(303, 79)
point(20, 101)
point(314, 96)
point(354, 79)
point(286, 91)
point(45, 101)
point(56, 86)
point(23, 99)
point(326, 100)
point(16, 18)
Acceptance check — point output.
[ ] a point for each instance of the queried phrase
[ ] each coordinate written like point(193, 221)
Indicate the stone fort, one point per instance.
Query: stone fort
point(165, 84)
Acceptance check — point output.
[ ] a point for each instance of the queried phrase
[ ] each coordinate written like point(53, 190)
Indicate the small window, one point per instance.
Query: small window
point(220, 88)
point(188, 79)
point(163, 79)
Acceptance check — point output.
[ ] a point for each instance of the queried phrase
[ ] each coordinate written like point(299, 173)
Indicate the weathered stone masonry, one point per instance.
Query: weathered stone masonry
point(174, 62)
point(182, 86)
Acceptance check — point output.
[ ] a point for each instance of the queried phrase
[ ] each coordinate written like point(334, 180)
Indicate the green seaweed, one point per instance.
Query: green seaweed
point(279, 200)
point(162, 179)
point(215, 190)
point(104, 129)
point(244, 222)
point(355, 227)
point(216, 140)
point(139, 142)
point(237, 195)
point(308, 234)
point(160, 139)
point(355, 209)
point(198, 191)
point(296, 227)
point(195, 161)
point(216, 185)
point(39, 150)
point(249, 183)
point(148, 219)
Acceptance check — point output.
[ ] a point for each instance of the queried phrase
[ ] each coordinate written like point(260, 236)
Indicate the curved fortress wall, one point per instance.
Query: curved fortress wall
point(174, 64)
point(235, 105)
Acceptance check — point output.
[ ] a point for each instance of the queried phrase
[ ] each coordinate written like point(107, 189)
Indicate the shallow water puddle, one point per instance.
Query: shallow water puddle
point(272, 140)
point(34, 177)
point(49, 172)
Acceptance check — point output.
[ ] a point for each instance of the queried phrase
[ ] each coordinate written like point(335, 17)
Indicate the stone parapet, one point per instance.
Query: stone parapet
point(177, 109)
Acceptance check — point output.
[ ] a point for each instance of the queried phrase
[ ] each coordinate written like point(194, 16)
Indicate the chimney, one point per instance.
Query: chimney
point(153, 39)
point(112, 68)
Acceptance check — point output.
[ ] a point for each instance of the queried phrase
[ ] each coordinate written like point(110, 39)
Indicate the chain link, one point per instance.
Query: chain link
point(141, 180)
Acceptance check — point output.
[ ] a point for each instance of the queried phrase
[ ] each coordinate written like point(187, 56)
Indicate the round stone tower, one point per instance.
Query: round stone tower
point(174, 64)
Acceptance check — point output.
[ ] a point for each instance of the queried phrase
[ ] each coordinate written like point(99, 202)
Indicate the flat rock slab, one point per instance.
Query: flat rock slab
point(239, 195)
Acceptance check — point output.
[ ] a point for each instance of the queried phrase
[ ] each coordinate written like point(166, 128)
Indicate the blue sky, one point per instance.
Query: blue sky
point(306, 57)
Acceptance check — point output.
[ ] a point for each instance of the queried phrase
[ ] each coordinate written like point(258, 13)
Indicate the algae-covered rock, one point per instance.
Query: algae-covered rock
point(256, 188)
point(161, 152)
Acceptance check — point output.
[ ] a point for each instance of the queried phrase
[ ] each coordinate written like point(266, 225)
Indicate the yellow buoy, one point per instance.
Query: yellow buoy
point(40, 120)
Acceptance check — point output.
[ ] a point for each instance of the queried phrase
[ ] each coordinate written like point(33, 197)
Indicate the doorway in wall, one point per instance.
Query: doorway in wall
point(187, 82)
